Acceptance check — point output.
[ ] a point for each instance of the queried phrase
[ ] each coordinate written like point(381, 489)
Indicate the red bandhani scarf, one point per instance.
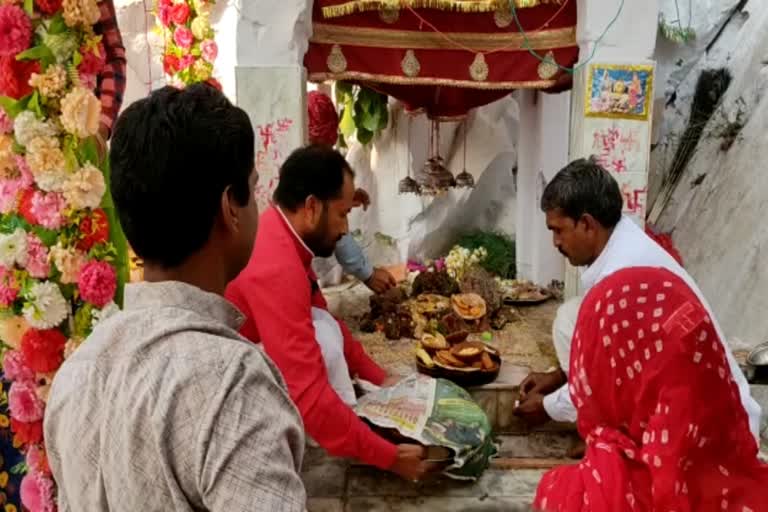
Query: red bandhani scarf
point(657, 405)
point(666, 243)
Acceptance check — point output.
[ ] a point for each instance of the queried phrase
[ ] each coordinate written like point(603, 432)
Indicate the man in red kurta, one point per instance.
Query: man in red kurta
point(278, 291)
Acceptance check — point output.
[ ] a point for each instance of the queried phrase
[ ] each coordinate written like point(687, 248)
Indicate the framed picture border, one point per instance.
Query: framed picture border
point(648, 93)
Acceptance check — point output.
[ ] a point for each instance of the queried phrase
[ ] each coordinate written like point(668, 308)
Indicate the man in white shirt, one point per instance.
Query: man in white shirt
point(583, 207)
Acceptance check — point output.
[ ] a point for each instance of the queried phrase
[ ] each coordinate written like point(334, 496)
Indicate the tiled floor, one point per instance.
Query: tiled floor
point(367, 489)
point(335, 485)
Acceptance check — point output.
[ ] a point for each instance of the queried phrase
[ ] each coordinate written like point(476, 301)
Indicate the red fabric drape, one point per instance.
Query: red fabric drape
point(661, 414)
point(443, 85)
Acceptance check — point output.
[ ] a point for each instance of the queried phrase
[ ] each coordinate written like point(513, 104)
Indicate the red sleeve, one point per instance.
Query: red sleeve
point(359, 362)
point(279, 302)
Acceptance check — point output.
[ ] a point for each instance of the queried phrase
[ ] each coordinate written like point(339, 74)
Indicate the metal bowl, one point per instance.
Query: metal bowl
point(757, 364)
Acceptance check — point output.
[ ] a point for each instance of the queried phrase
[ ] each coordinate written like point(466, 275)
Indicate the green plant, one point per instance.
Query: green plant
point(500, 249)
point(364, 112)
point(675, 32)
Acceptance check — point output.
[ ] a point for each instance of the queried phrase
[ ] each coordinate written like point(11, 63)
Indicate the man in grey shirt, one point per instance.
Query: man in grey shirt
point(165, 406)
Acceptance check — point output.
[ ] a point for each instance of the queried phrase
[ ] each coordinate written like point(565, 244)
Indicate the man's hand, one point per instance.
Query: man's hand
point(361, 198)
point(542, 383)
point(380, 281)
point(531, 409)
point(410, 463)
point(577, 450)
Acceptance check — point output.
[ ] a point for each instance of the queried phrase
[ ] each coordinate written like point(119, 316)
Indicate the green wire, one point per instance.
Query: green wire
point(530, 50)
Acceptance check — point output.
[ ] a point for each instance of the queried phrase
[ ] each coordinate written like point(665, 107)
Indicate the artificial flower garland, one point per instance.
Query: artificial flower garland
point(59, 241)
point(190, 48)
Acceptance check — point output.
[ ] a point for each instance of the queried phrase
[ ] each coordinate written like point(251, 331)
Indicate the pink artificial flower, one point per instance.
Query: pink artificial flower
point(97, 283)
point(26, 179)
point(37, 492)
point(37, 257)
point(9, 195)
point(10, 188)
point(164, 14)
point(415, 266)
point(440, 264)
point(15, 30)
point(6, 123)
point(37, 462)
point(209, 50)
point(23, 402)
point(88, 81)
point(48, 208)
point(183, 37)
point(185, 62)
point(9, 287)
point(15, 367)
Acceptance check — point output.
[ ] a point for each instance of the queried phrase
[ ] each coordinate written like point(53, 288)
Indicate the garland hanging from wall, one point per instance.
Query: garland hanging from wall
point(61, 250)
point(190, 48)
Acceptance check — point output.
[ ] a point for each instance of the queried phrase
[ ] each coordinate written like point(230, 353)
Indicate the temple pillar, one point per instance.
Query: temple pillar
point(610, 34)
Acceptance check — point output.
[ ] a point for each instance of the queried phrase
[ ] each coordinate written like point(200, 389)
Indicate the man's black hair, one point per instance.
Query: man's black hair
point(315, 170)
point(582, 187)
point(172, 156)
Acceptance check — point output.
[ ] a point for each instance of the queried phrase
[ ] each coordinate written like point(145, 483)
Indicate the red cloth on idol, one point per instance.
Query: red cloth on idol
point(276, 291)
point(323, 119)
point(660, 412)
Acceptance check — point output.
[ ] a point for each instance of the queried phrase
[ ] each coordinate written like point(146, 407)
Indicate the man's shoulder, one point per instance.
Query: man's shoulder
point(160, 333)
point(274, 263)
point(123, 354)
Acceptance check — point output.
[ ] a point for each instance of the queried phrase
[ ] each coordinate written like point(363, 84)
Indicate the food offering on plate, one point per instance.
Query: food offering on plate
point(436, 302)
point(468, 314)
point(478, 280)
point(434, 342)
point(437, 282)
point(469, 306)
point(523, 292)
point(389, 313)
point(431, 305)
point(468, 363)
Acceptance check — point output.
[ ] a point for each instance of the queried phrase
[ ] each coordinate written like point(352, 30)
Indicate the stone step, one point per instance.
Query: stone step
point(498, 400)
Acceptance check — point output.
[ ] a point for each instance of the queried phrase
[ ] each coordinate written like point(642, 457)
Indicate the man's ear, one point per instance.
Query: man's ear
point(589, 222)
point(313, 210)
point(230, 214)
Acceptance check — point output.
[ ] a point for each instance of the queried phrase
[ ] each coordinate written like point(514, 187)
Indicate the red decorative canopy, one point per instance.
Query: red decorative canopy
point(444, 56)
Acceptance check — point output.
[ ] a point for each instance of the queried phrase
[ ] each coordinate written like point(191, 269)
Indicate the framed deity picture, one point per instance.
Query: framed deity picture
point(619, 91)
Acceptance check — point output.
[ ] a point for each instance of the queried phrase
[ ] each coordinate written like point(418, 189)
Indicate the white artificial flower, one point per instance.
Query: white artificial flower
point(47, 163)
point(81, 112)
point(46, 307)
point(27, 127)
point(69, 261)
point(460, 259)
point(99, 315)
point(13, 248)
point(85, 188)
